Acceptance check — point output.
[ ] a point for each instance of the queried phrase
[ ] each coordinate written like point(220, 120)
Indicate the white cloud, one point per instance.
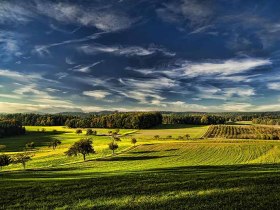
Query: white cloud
point(211, 92)
point(85, 68)
point(98, 94)
point(105, 19)
point(224, 68)
point(124, 50)
point(14, 12)
point(274, 86)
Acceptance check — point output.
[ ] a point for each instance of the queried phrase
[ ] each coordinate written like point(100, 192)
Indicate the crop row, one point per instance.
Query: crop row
point(242, 132)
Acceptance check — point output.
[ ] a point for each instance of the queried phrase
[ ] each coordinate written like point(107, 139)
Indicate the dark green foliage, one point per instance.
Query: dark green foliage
point(187, 136)
point(133, 120)
point(5, 160)
point(84, 147)
point(91, 132)
point(192, 119)
point(79, 131)
point(55, 143)
point(133, 141)
point(11, 128)
point(22, 158)
point(113, 146)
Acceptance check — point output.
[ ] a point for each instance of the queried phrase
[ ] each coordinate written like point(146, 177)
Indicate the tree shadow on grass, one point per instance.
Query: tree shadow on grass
point(253, 186)
point(17, 143)
point(129, 158)
point(142, 152)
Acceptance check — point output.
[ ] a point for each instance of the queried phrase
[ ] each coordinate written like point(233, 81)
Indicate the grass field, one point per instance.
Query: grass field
point(163, 173)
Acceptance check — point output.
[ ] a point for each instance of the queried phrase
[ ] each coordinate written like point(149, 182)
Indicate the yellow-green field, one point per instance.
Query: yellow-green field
point(164, 173)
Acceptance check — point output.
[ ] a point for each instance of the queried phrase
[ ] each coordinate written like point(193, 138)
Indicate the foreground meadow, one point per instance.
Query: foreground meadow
point(164, 173)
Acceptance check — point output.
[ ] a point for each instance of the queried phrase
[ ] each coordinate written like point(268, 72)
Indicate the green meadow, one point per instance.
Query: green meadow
point(163, 173)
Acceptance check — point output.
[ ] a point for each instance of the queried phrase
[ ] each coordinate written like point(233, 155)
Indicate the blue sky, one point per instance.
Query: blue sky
point(183, 55)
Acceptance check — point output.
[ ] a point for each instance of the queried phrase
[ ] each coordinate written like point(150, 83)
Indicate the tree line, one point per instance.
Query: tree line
point(138, 120)
point(193, 119)
point(266, 121)
point(10, 128)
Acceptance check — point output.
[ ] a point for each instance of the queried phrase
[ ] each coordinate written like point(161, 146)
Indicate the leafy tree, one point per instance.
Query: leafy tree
point(30, 145)
point(169, 136)
point(84, 147)
point(204, 120)
point(5, 160)
point(22, 158)
point(133, 141)
point(113, 146)
point(89, 132)
point(156, 137)
point(55, 143)
point(187, 136)
point(79, 131)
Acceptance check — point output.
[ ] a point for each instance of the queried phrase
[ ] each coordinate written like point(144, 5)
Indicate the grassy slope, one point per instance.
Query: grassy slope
point(160, 174)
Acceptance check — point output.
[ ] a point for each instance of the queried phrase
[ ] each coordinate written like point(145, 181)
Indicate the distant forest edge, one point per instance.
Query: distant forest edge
point(133, 120)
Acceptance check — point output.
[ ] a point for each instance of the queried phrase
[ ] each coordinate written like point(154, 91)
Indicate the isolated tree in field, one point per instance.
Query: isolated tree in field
point(55, 143)
point(169, 137)
point(156, 137)
point(113, 146)
point(5, 160)
point(187, 136)
point(22, 158)
point(91, 132)
point(30, 145)
point(84, 147)
point(79, 131)
point(133, 141)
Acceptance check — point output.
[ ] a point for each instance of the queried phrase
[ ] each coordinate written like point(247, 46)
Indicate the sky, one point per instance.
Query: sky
point(139, 55)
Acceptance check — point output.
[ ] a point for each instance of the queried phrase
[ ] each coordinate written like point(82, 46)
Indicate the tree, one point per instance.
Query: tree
point(204, 120)
point(89, 132)
point(22, 158)
point(113, 146)
point(133, 141)
point(5, 160)
point(55, 143)
point(84, 147)
point(156, 137)
point(187, 136)
point(79, 131)
point(169, 137)
point(30, 145)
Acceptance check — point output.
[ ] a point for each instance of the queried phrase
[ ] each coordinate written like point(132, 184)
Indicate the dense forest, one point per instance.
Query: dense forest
point(266, 121)
point(118, 120)
point(115, 120)
point(10, 128)
point(139, 119)
point(193, 119)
